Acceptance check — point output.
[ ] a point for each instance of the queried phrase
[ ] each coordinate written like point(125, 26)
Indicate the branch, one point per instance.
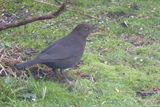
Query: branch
point(70, 10)
point(42, 17)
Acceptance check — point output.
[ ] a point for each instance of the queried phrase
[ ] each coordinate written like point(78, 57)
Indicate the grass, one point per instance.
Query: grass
point(123, 62)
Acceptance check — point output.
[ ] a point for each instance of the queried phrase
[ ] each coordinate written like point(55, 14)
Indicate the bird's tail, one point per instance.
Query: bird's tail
point(27, 63)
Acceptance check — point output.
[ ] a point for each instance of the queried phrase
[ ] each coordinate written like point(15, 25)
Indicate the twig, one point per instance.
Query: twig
point(70, 10)
point(1, 50)
point(42, 17)
point(2, 69)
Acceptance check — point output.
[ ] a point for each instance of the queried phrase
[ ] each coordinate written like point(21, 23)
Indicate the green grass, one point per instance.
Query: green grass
point(119, 66)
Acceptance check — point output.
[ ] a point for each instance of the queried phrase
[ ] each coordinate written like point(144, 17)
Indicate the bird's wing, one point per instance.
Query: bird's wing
point(60, 51)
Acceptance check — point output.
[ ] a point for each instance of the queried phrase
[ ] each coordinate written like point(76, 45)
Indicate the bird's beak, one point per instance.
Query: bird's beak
point(96, 27)
point(93, 27)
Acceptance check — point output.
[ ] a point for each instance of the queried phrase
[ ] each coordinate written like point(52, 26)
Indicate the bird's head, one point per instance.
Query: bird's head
point(84, 29)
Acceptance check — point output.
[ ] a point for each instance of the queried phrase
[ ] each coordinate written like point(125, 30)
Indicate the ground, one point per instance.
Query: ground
point(120, 66)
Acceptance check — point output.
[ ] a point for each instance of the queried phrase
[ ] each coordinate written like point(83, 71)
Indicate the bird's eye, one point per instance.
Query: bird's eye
point(85, 27)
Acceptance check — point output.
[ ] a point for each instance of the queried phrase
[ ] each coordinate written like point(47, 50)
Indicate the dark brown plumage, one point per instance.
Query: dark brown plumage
point(65, 52)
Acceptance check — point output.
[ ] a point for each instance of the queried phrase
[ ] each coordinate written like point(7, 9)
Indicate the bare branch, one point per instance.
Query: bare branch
point(42, 17)
point(70, 10)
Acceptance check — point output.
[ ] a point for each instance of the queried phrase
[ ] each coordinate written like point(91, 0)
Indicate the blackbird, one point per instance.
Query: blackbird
point(65, 52)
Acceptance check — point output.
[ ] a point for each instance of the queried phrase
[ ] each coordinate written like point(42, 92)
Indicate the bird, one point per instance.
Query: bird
point(64, 52)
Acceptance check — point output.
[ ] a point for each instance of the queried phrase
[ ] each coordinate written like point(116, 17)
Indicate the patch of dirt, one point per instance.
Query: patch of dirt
point(148, 93)
point(9, 59)
point(138, 40)
point(21, 14)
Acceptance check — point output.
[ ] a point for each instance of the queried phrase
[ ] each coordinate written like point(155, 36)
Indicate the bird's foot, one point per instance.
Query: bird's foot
point(64, 74)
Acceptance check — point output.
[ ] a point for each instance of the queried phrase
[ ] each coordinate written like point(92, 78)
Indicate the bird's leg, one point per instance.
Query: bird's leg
point(63, 73)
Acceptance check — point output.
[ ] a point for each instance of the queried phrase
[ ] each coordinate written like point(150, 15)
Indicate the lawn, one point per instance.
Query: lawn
point(120, 66)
